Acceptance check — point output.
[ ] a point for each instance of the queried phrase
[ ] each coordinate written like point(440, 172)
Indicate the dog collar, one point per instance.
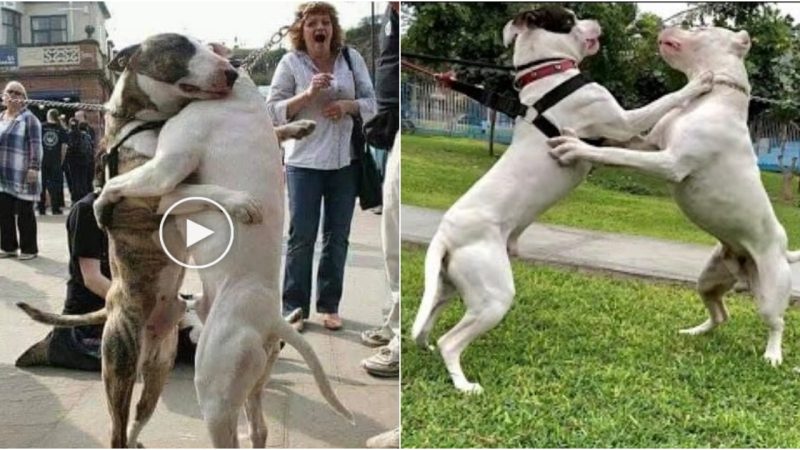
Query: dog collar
point(733, 85)
point(544, 71)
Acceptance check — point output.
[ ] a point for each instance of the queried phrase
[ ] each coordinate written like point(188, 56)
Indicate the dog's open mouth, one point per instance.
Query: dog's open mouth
point(670, 44)
point(196, 91)
point(319, 37)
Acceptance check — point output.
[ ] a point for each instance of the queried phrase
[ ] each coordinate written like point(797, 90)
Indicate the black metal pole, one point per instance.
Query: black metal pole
point(372, 36)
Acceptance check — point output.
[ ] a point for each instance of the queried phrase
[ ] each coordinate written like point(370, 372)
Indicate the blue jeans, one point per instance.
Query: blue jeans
point(309, 189)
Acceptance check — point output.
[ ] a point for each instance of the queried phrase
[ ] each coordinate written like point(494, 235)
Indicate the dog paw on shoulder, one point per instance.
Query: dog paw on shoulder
point(244, 208)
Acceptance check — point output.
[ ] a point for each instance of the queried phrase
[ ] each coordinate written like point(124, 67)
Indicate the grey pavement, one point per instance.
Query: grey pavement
point(49, 407)
point(590, 250)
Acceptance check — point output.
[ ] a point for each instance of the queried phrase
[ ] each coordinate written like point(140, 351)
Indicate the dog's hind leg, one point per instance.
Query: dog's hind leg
point(715, 280)
point(483, 276)
point(772, 288)
point(158, 358)
point(120, 350)
point(228, 364)
point(252, 409)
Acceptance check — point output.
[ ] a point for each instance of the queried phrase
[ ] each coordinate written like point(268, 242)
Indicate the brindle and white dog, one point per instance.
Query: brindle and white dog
point(159, 78)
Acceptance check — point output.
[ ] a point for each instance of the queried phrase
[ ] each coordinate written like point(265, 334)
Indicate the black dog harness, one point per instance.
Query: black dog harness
point(512, 107)
point(111, 158)
point(110, 161)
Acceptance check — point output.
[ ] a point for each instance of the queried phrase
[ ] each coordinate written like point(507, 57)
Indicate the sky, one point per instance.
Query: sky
point(250, 23)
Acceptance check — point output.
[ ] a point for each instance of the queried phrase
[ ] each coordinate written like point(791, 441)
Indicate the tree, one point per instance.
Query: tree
point(361, 38)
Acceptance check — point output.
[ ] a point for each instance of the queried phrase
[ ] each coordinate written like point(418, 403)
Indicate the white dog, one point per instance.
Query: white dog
point(470, 251)
point(229, 142)
point(708, 158)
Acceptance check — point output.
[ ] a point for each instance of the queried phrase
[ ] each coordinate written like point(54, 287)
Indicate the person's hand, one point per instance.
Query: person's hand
point(319, 82)
point(336, 110)
point(32, 176)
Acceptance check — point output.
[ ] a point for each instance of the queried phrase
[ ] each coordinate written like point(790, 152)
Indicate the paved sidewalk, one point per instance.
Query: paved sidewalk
point(593, 250)
point(47, 407)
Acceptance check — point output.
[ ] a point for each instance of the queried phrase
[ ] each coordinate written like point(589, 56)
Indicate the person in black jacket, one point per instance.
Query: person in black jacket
point(79, 161)
point(54, 146)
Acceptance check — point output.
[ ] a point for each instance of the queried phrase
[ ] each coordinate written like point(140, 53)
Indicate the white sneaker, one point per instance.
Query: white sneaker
point(384, 363)
point(376, 337)
point(8, 254)
point(26, 256)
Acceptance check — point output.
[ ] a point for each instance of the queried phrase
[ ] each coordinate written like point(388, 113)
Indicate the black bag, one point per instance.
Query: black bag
point(368, 179)
point(380, 130)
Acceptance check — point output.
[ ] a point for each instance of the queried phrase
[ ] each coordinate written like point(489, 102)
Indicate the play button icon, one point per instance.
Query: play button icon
point(203, 238)
point(196, 232)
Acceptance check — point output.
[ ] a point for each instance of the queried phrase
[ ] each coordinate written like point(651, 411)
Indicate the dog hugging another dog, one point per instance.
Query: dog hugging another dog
point(699, 143)
point(218, 132)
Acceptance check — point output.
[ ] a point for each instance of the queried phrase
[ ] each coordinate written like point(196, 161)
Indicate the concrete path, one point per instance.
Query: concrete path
point(48, 407)
point(592, 250)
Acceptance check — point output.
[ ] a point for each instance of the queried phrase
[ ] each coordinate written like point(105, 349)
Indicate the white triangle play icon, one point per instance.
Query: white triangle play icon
point(195, 233)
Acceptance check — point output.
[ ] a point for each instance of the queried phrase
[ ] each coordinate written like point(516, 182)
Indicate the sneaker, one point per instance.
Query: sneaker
point(375, 337)
point(4, 254)
point(26, 256)
point(57, 212)
point(387, 439)
point(385, 363)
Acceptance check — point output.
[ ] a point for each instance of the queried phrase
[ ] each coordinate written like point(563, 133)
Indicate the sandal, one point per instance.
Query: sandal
point(332, 322)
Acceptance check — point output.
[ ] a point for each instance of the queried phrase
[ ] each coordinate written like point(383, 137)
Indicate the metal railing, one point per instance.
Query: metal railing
point(430, 109)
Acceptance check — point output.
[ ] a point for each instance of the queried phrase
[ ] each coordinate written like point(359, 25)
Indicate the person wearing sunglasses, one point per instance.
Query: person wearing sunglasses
point(20, 174)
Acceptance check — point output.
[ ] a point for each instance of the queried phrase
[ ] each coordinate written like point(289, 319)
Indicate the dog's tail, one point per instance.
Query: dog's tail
point(293, 338)
point(64, 320)
point(437, 250)
point(793, 256)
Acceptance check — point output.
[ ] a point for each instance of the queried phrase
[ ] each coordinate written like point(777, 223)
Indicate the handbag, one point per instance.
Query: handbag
point(368, 179)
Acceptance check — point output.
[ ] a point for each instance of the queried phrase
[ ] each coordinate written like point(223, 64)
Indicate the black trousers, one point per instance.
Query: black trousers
point(53, 183)
point(17, 215)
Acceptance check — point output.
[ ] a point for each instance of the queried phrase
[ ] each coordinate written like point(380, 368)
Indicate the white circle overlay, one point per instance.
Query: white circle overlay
point(200, 199)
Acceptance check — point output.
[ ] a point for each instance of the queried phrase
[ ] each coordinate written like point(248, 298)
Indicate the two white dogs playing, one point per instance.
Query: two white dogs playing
point(703, 142)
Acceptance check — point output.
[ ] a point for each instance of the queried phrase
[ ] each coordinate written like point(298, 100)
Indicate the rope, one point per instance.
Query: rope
point(254, 57)
point(61, 105)
point(417, 68)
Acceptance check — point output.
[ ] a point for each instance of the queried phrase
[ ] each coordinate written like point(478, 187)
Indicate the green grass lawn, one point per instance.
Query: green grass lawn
point(592, 361)
point(438, 170)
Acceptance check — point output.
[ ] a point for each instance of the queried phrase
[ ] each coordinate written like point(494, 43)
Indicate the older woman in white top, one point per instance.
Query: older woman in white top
point(314, 82)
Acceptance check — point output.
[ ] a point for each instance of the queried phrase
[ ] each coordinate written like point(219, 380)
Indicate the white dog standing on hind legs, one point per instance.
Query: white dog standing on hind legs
point(708, 157)
point(470, 251)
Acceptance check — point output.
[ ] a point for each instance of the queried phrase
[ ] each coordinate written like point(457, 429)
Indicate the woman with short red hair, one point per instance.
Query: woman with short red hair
point(324, 81)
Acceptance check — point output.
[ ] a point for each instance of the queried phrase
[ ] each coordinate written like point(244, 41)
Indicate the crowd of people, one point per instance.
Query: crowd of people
point(35, 158)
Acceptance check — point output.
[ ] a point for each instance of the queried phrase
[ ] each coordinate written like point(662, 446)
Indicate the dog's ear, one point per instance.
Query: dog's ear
point(524, 21)
point(741, 43)
point(123, 58)
point(511, 30)
point(221, 50)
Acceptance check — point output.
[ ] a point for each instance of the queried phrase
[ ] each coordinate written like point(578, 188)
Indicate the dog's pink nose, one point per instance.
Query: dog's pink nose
point(230, 77)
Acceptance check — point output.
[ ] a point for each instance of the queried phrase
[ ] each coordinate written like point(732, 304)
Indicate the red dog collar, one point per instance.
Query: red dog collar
point(544, 71)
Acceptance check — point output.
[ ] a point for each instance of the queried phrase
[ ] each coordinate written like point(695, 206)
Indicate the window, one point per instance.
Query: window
point(48, 29)
point(12, 31)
